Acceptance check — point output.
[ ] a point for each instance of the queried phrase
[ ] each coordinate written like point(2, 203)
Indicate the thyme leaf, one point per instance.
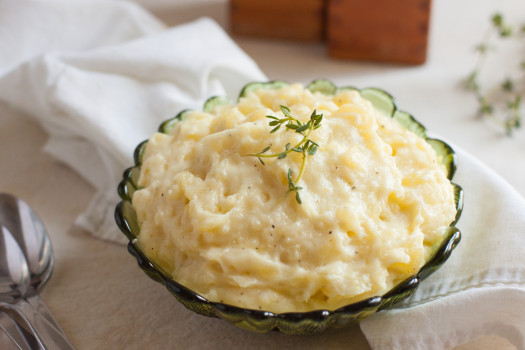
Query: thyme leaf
point(502, 102)
point(305, 146)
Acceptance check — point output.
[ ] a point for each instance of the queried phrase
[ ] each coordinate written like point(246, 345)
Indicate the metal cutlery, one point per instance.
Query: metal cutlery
point(21, 223)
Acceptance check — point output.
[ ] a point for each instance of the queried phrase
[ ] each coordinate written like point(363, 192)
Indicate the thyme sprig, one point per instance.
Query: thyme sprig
point(305, 146)
point(500, 103)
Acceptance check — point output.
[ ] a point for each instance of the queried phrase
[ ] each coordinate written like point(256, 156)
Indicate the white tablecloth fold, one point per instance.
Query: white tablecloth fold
point(100, 76)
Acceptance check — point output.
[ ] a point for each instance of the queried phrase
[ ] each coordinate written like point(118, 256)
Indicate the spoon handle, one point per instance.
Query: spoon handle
point(38, 304)
point(12, 326)
point(50, 336)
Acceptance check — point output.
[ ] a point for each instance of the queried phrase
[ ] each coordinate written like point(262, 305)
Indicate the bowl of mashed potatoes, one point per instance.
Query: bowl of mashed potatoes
point(294, 208)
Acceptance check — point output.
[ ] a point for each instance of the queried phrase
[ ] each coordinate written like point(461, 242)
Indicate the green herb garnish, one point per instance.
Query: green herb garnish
point(306, 146)
point(500, 103)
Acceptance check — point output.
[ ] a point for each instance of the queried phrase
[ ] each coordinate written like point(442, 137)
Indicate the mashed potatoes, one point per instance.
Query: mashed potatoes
point(374, 200)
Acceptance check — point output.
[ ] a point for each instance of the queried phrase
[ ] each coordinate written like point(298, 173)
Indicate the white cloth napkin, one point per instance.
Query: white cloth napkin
point(100, 76)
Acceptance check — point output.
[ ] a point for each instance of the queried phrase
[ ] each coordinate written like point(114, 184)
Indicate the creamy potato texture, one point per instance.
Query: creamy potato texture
point(374, 200)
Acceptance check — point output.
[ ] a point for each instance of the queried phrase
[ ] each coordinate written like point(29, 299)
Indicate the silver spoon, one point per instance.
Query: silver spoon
point(29, 232)
point(14, 282)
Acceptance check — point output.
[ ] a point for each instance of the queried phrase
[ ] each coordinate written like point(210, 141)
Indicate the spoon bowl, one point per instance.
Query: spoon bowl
point(28, 230)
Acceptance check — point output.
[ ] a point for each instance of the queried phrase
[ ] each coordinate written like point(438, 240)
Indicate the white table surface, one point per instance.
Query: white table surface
point(96, 284)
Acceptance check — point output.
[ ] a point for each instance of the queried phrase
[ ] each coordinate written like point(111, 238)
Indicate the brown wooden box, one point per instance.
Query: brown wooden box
point(300, 20)
point(378, 30)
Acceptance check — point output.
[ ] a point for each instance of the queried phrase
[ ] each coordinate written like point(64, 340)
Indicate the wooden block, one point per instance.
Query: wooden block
point(378, 30)
point(278, 19)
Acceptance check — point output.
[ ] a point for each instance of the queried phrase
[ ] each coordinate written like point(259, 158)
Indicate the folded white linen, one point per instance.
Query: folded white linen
point(100, 76)
point(480, 290)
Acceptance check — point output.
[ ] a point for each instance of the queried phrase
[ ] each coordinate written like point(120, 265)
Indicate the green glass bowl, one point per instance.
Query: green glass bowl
point(297, 323)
